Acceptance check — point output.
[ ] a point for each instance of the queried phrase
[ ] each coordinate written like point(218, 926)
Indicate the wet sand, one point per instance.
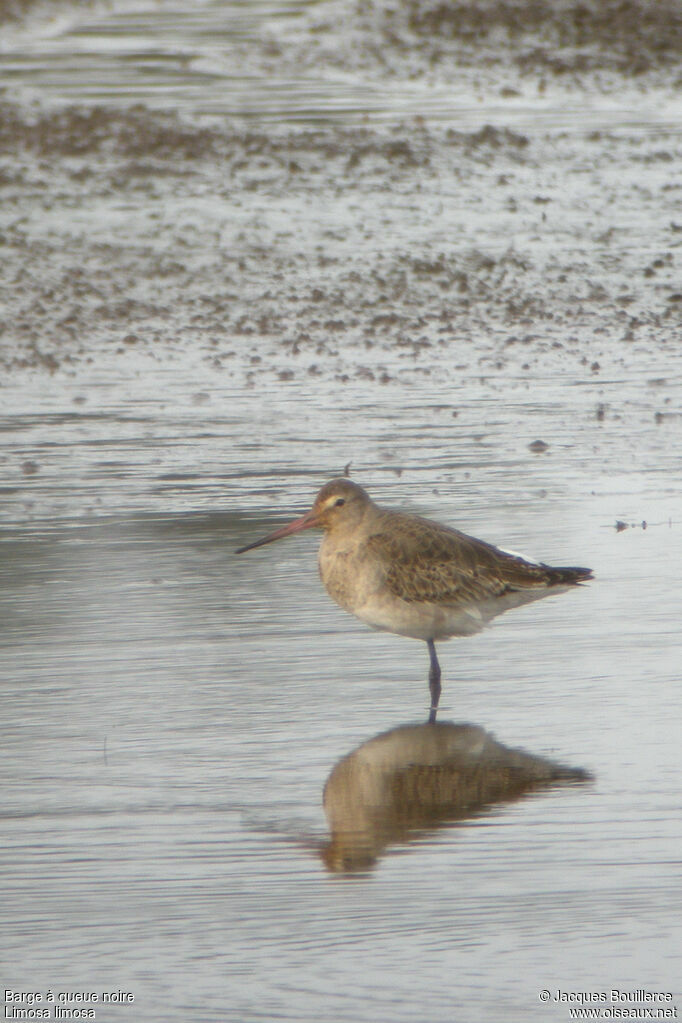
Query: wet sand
point(379, 267)
point(325, 249)
point(358, 251)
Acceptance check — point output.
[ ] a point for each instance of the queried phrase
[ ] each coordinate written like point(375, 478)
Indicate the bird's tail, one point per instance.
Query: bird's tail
point(559, 576)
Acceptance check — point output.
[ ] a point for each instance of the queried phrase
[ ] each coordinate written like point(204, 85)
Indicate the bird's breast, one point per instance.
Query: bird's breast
point(348, 577)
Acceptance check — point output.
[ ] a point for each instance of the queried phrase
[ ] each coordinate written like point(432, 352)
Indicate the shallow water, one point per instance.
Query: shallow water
point(171, 714)
point(171, 711)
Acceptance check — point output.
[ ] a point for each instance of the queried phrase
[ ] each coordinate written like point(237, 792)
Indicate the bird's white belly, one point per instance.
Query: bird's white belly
point(442, 621)
point(420, 620)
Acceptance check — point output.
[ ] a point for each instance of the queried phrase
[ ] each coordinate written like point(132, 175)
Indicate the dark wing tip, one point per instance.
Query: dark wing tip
point(569, 575)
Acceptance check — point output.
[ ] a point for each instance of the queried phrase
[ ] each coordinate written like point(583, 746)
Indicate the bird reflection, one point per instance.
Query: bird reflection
point(419, 777)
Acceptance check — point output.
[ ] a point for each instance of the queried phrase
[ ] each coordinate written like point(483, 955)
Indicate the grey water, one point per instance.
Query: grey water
point(171, 713)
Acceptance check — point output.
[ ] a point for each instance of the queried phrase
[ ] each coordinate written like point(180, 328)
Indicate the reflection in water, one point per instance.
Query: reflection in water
point(422, 776)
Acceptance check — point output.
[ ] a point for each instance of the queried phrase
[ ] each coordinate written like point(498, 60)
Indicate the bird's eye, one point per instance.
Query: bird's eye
point(339, 502)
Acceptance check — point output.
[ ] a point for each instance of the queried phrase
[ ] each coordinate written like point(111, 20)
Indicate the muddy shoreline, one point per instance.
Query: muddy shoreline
point(280, 249)
point(258, 268)
point(80, 280)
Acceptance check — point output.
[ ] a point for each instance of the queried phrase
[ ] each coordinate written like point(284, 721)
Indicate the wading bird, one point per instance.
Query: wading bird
point(414, 577)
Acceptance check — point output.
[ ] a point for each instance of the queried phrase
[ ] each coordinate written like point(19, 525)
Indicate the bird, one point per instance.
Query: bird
point(414, 577)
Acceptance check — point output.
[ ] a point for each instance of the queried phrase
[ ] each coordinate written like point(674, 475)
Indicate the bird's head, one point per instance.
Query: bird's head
point(340, 504)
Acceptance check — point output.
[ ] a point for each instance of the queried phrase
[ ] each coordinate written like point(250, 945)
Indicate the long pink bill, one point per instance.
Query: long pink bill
point(306, 521)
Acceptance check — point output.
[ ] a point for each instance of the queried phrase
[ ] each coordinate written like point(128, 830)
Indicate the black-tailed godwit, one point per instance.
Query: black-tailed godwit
point(414, 577)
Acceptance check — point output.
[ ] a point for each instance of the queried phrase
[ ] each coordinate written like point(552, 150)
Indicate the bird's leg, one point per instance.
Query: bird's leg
point(434, 681)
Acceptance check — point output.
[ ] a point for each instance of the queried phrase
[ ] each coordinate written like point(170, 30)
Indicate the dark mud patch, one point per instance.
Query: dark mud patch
point(81, 131)
point(493, 46)
point(18, 12)
point(561, 36)
point(138, 133)
point(12, 11)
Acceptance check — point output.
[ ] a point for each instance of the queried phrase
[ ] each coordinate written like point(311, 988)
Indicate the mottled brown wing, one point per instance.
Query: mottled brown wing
point(427, 562)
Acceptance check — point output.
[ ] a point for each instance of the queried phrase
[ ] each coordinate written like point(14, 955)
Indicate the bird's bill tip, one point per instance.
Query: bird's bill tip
point(307, 521)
